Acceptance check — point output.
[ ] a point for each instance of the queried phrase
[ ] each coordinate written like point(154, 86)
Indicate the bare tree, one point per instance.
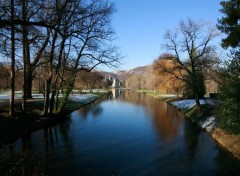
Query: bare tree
point(28, 15)
point(192, 53)
point(63, 37)
point(91, 42)
point(89, 80)
point(12, 60)
point(82, 44)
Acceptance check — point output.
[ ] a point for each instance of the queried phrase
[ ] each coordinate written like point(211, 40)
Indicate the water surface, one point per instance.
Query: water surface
point(128, 134)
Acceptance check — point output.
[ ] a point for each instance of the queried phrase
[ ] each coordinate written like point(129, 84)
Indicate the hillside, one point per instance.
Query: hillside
point(124, 74)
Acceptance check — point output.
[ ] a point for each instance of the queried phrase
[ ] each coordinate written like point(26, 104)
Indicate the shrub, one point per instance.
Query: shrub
point(228, 109)
point(229, 116)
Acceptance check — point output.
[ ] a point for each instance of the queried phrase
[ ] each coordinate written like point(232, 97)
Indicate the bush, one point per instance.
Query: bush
point(228, 109)
point(229, 116)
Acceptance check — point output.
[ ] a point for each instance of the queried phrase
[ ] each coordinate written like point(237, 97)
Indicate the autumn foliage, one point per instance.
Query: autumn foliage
point(168, 74)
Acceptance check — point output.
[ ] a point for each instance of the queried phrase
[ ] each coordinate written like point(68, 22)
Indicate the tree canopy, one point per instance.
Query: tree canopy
point(229, 86)
point(230, 23)
point(191, 52)
point(55, 39)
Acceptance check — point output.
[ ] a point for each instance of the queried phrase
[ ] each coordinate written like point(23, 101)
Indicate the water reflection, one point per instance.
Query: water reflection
point(56, 136)
point(191, 136)
point(116, 93)
point(128, 134)
point(48, 136)
point(166, 121)
point(94, 108)
point(27, 142)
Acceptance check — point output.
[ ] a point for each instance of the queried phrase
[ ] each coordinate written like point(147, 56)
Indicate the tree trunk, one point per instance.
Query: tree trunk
point(50, 75)
point(195, 86)
point(51, 103)
point(24, 77)
point(46, 100)
point(29, 84)
point(11, 111)
point(197, 101)
point(25, 55)
point(69, 88)
point(56, 102)
point(40, 85)
point(60, 87)
point(195, 91)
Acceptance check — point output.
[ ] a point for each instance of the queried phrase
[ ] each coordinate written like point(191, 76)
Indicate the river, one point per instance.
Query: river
point(126, 133)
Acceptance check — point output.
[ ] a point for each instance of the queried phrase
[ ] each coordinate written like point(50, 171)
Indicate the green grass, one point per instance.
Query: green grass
point(100, 93)
point(74, 105)
point(144, 90)
point(153, 93)
point(163, 97)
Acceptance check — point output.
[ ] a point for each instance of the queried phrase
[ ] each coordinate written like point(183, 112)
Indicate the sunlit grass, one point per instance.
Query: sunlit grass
point(74, 105)
point(156, 94)
point(153, 93)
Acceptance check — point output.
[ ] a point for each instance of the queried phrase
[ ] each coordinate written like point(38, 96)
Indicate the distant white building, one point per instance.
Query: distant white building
point(114, 82)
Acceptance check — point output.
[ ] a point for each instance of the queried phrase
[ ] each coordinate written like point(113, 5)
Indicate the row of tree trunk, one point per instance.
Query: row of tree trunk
point(63, 50)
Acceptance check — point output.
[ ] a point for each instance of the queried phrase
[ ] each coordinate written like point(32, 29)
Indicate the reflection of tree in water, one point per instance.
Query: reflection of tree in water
point(166, 120)
point(93, 108)
point(64, 131)
point(48, 136)
point(191, 136)
point(137, 98)
point(26, 142)
point(59, 148)
point(226, 164)
point(54, 135)
point(83, 112)
point(97, 110)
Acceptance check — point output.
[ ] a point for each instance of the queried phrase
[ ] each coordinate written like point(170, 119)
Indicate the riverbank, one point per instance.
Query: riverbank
point(12, 129)
point(205, 119)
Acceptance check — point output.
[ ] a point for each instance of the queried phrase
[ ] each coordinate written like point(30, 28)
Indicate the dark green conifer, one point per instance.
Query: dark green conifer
point(229, 104)
point(230, 23)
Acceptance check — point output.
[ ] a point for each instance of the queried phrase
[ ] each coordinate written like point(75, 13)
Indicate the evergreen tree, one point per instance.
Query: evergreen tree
point(230, 23)
point(228, 110)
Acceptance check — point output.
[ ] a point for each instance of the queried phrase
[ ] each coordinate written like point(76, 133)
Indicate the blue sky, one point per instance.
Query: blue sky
point(141, 24)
